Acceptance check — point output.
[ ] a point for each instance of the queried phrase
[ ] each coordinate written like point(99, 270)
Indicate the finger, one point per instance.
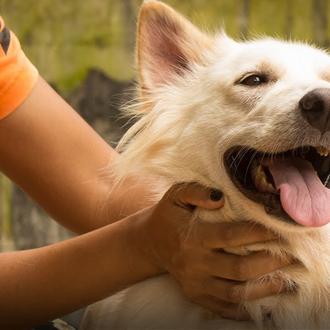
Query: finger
point(196, 195)
point(252, 291)
point(224, 290)
point(234, 292)
point(227, 234)
point(224, 309)
point(240, 315)
point(243, 268)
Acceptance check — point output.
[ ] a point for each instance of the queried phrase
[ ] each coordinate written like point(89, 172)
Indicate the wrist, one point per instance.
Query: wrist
point(142, 243)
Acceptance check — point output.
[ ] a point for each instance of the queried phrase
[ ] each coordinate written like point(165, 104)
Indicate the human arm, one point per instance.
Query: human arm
point(41, 284)
point(54, 155)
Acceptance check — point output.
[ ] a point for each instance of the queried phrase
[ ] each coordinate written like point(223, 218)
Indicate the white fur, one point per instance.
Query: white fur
point(192, 120)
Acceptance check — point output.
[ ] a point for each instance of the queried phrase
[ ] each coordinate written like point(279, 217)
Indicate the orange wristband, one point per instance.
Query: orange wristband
point(18, 75)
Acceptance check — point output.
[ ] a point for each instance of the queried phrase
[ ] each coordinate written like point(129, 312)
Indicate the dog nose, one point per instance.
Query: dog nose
point(315, 108)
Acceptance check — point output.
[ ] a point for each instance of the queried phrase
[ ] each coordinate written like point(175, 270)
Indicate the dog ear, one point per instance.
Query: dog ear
point(167, 44)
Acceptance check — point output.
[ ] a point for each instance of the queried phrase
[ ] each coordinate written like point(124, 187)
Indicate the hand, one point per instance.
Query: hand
point(189, 249)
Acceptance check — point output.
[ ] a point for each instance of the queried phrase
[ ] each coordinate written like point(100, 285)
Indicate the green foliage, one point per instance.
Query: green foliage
point(65, 38)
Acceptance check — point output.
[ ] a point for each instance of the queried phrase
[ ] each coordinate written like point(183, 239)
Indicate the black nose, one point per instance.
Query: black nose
point(315, 108)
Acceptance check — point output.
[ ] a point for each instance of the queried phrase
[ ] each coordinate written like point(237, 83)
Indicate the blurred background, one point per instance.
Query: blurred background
point(85, 50)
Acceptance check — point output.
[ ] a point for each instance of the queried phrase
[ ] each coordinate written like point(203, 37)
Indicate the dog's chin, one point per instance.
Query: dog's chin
point(245, 168)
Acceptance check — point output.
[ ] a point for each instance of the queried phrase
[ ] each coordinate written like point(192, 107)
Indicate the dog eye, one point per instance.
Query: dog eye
point(254, 80)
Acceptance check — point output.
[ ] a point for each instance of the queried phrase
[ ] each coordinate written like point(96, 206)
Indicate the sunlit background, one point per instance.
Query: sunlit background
point(85, 50)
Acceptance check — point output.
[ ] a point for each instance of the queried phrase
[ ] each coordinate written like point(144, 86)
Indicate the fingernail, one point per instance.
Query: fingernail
point(216, 195)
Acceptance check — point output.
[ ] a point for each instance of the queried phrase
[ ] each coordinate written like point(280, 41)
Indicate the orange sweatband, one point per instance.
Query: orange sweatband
point(18, 76)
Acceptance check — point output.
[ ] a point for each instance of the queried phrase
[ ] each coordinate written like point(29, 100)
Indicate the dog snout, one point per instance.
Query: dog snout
point(315, 108)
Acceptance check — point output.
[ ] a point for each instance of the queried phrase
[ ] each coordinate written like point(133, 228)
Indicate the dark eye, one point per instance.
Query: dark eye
point(254, 80)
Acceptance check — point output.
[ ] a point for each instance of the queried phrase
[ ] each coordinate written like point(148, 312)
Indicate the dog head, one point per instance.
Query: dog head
point(249, 118)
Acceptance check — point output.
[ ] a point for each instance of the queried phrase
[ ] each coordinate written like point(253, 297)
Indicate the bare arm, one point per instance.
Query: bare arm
point(54, 155)
point(41, 284)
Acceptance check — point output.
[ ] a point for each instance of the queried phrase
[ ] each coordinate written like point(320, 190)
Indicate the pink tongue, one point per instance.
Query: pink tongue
point(303, 196)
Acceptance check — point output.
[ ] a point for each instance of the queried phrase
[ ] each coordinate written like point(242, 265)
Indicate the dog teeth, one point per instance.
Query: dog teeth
point(260, 179)
point(322, 151)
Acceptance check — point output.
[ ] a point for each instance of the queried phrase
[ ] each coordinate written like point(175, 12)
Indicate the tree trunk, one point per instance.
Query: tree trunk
point(289, 19)
point(320, 21)
point(244, 18)
point(32, 227)
point(129, 14)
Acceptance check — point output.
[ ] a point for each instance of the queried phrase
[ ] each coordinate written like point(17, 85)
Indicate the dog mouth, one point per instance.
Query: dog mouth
point(291, 185)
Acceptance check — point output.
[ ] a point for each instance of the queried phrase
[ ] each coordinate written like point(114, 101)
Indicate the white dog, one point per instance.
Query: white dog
point(251, 119)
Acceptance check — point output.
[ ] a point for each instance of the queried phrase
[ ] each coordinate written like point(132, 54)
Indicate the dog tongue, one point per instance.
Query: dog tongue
point(303, 196)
